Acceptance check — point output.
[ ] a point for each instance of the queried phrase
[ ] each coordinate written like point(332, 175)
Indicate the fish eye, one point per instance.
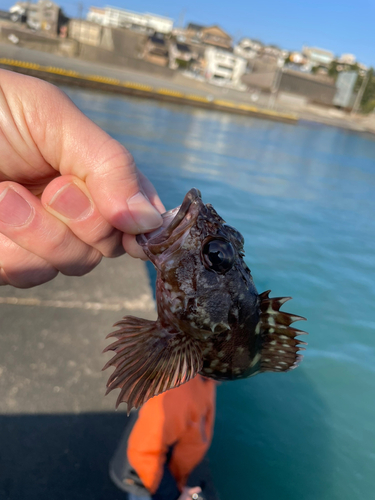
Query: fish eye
point(218, 255)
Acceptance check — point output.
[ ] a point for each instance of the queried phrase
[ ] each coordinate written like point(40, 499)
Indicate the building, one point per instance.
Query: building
point(248, 48)
point(121, 18)
point(223, 67)
point(181, 55)
point(96, 15)
point(156, 50)
point(208, 35)
point(318, 57)
point(347, 59)
point(43, 15)
point(214, 35)
point(273, 51)
point(193, 31)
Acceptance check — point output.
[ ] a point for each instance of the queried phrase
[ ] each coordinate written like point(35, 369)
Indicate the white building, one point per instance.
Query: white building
point(347, 59)
point(121, 18)
point(248, 48)
point(223, 67)
point(318, 56)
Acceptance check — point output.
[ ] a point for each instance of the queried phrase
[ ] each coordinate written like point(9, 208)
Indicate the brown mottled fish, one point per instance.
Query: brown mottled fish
point(211, 319)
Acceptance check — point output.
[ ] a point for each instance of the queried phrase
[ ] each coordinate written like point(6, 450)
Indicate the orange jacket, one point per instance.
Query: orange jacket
point(182, 418)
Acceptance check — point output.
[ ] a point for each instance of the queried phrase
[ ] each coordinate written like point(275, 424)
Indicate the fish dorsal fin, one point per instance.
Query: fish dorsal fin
point(149, 360)
point(279, 343)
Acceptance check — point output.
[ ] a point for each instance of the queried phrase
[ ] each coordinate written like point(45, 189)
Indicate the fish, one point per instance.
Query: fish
point(211, 319)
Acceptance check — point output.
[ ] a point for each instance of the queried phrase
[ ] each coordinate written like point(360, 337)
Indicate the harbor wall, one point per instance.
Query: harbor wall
point(69, 47)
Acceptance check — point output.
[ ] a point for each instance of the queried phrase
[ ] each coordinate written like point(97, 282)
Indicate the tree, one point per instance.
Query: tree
point(332, 70)
point(368, 98)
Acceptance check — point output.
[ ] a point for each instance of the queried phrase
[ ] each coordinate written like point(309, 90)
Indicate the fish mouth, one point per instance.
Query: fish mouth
point(175, 222)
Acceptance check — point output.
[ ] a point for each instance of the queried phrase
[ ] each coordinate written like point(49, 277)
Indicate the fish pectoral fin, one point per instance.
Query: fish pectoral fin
point(280, 346)
point(149, 360)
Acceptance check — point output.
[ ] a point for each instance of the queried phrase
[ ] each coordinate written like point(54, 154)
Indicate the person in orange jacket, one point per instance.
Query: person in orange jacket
point(165, 441)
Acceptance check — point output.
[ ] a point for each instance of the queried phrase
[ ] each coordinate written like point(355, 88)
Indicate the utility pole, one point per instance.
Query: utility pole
point(182, 18)
point(80, 10)
point(276, 83)
point(358, 99)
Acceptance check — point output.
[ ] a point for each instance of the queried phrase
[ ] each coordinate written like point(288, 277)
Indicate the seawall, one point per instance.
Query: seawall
point(63, 76)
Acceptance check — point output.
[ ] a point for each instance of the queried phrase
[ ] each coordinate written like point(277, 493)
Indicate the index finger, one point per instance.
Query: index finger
point(72, 144)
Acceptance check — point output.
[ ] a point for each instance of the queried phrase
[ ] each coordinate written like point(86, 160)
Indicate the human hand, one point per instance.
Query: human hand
point(69, 193)
point(188, 492)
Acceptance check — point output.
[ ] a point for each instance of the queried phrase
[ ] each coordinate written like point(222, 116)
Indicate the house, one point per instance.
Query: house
point(121, 18)
point(180, 55)
point(347, 59)
point(43, 15)
point(214, 35)
point(318, 57)
point(248, 48)
point(272, 51)
point(193, 32)
point(224, 67)
point(96, 15)
point(208, 35)
point(156, 50)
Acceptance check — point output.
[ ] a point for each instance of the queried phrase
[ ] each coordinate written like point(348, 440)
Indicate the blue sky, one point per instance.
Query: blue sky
point(343, 26)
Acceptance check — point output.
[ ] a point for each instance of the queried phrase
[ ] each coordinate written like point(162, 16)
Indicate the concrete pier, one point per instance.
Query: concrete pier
point(57, 429)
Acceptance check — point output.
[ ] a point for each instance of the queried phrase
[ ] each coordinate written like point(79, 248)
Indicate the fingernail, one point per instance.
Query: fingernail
point(14, 210)
point(71, 202)
point(144, 214)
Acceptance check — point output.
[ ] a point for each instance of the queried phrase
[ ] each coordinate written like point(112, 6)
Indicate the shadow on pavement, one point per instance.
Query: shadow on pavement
point(58, 456)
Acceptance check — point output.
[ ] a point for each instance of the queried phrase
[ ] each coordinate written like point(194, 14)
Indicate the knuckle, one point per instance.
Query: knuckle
point(59, 242)
point(27, 272)
point(115, 152)
point(84, 265)
point(111, 246)
point(71, 255)
point(113, 252)
point(105, 238)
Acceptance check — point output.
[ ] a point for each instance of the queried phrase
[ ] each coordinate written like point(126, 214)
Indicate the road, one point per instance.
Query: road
point(178, 83)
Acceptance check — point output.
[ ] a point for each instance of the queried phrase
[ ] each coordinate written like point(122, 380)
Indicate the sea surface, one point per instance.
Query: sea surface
point(304, 198)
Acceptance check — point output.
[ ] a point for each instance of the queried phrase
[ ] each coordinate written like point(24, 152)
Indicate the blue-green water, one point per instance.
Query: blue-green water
point(304, 199)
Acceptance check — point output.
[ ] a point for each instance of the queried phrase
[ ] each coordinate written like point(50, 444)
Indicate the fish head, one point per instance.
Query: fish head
point(204, 287)
point(211, 319)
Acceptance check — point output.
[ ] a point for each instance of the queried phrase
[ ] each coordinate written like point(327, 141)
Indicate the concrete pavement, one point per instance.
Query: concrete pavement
point(57, 429)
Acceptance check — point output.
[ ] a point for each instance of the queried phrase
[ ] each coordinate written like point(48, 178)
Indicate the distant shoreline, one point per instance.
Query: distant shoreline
point(176, 88)
point(63, 76)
